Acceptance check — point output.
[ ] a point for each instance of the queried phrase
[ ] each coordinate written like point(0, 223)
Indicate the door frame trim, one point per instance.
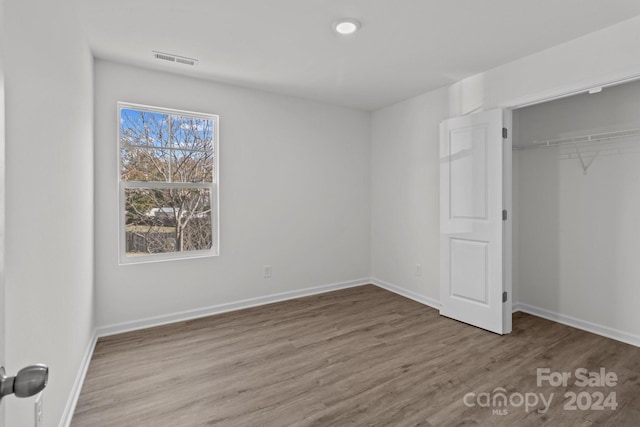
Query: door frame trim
point(568, 90)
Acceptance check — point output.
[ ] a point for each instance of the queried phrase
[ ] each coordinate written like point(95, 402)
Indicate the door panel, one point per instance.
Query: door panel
point(469, 272)
point(468, 184)
point(471, 226)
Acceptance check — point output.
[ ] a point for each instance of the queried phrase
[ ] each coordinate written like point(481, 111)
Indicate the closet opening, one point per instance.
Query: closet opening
point(576, 210)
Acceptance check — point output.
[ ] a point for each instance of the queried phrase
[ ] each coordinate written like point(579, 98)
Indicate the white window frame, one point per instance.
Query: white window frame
point(213, 186)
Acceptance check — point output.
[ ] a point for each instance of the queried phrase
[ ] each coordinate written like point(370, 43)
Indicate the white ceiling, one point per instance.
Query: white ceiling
point(404, 48)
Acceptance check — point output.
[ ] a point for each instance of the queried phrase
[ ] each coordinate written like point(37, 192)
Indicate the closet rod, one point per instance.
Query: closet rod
point(580, 139)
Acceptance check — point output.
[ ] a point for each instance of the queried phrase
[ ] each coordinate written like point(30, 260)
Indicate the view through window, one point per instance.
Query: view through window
point(168, 183)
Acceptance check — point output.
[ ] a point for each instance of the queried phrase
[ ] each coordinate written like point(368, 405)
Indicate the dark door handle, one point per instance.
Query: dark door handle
point(29, 381)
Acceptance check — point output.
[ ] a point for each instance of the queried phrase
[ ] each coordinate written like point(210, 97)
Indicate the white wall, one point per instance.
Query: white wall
point(577, 234)
point(404, 178)
point(294, 194)
point(49, 199)
point(608, 54)
point(413, 125)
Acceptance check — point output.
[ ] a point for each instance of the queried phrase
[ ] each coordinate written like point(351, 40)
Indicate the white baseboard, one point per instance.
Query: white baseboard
point(223, 308)
point(585, 325)
point(65, 421)
point(406, 293)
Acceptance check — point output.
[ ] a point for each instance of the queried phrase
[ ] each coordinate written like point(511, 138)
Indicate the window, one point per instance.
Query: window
point(168, 183)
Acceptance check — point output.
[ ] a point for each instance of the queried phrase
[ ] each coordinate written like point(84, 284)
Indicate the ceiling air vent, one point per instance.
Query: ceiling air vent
point(174, 58)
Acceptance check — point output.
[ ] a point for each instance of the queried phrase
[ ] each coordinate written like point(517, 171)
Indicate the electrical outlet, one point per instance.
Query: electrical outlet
point(38, 411)
point(418, 270)
point(267, 271)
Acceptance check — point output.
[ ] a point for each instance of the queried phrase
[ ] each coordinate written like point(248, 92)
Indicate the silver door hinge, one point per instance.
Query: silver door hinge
point(504, 133)
point(504, 215)
point(504, 296)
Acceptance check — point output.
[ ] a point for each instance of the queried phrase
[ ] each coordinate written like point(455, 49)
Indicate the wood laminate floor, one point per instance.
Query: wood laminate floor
point(356, 357)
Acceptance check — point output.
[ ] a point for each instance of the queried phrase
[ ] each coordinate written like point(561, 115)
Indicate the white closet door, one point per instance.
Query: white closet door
point(471, 220)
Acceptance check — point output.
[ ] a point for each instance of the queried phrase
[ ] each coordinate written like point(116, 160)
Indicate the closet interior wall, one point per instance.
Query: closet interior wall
point(577, 209)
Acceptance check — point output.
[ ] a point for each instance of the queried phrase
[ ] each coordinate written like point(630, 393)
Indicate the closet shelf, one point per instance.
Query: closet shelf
point(580, 139)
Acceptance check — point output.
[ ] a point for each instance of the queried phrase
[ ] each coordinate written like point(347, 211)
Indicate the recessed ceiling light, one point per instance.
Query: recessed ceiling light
point(347, 26)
